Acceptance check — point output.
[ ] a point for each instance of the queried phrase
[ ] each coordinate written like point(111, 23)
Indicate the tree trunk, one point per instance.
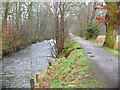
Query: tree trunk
point(4, 21)
point(111, 33)
point(62, 34)
point(56, 20)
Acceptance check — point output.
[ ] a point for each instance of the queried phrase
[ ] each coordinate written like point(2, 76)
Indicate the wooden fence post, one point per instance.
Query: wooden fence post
point(32, 84)
point(37, 77)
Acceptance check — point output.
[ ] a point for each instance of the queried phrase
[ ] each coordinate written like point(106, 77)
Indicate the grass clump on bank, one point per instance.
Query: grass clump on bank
point(70, 72)
point(115, 52)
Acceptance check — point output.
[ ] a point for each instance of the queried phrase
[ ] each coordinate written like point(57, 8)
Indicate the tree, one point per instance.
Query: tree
point(111, 20)
point(92, 31)
point(30, 19)
point(6, 13)
point(112, 27)
point(82, 15)
point(10, 38)
point(57, 11)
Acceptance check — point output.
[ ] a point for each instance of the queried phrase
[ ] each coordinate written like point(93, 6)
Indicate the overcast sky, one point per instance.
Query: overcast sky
point(59, 0)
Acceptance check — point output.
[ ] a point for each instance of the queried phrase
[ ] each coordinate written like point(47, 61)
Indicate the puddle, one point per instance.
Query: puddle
point(89, 52)
point(91, 56)
point(78, 48)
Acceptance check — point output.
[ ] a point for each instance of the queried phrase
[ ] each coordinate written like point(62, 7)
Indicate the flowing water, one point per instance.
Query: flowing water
point(19, 67)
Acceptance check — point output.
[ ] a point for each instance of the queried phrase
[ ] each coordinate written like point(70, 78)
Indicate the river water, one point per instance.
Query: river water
point(19, 67)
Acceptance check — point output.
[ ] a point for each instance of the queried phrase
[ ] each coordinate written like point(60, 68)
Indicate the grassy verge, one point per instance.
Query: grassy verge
point(115, 52)
point(70, 72)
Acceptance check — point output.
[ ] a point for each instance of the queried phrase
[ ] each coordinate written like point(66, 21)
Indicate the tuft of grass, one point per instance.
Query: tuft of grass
point(115, 52)
point(70, 72)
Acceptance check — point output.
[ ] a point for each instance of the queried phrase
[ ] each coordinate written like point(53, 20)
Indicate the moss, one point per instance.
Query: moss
point(37, 74)
point(32, 78)
point(67, 47)
point(110, 39)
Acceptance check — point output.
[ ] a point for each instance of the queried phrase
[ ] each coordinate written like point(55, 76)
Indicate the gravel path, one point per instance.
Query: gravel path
point(105, 60)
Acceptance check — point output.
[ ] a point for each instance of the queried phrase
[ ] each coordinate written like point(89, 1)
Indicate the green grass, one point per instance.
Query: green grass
point(70, 72)
point(115, 52)
point(68, 46)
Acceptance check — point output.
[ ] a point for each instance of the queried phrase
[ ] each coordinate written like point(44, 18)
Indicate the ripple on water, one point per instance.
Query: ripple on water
point(17, 66)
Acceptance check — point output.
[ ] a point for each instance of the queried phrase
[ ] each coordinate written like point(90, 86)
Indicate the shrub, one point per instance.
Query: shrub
point(92, 31)
point(10, 38)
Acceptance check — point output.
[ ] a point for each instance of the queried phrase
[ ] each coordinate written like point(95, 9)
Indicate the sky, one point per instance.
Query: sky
point(58, 0)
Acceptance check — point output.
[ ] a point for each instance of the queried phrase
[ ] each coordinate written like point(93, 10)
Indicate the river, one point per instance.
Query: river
point(17, 68)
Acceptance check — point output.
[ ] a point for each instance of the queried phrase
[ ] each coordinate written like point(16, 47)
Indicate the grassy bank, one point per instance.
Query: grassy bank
point(70, 72)
point(115, 52)
point(101, 38)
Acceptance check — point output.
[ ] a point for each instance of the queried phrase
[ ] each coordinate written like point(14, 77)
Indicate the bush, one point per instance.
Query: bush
point(10, 38)
point(92, 31)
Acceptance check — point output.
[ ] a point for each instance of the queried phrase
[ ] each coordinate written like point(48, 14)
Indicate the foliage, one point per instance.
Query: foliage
point(30, 22)
point(101, 18)
point(111, 19)
point(10, 38)
point(70, 72)
point(92, 31)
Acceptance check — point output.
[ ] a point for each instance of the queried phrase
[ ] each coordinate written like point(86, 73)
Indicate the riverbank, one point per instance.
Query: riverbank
point(72, 70)
point(17, 48)
point(19, 67)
